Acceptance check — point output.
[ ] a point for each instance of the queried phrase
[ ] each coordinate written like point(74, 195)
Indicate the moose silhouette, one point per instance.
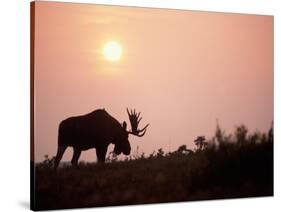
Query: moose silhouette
point(96, 130)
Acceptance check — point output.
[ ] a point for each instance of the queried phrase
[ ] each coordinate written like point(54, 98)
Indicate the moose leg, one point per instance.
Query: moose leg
point(61, 150)
point(75, 157)
point(101, 152)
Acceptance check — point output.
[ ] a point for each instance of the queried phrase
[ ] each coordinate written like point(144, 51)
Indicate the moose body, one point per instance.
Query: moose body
point(96, 130)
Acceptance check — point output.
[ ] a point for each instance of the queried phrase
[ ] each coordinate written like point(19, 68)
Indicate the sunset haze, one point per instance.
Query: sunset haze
point(183, 70)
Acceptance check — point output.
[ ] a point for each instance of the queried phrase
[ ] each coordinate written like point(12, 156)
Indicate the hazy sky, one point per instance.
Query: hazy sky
point(181, 69)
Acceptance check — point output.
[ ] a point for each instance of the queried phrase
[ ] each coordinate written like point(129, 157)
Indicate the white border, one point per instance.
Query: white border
point(14, 113)
point(264, 7)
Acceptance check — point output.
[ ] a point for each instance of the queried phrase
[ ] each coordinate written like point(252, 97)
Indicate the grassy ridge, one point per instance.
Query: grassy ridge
point(229, 167)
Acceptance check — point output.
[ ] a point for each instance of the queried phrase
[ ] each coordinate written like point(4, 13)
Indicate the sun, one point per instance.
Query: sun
point(112, 51)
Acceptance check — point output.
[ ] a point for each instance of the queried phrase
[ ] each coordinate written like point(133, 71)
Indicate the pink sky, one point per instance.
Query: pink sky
point(181, 69)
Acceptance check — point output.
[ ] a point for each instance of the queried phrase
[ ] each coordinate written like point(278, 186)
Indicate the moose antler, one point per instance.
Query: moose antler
point(135, 120)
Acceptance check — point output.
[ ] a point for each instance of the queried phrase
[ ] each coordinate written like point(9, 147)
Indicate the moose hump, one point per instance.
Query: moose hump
point(87, 130)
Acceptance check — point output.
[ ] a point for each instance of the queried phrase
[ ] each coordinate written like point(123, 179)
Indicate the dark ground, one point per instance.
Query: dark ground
point(227, 170)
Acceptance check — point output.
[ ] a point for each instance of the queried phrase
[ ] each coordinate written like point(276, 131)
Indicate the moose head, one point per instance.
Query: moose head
point(122, 144)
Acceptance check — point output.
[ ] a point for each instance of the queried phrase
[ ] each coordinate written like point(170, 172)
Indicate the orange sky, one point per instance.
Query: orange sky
point(181, 69)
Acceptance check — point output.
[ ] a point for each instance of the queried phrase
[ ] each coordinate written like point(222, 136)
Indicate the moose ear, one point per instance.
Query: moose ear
point(124, 125)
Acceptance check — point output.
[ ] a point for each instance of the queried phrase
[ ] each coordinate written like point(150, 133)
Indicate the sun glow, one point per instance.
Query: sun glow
point(112, 51)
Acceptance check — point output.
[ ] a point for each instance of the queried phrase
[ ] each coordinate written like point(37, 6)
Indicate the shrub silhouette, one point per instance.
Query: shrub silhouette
point(48, 163)
point(200, 142)
point(160, 153)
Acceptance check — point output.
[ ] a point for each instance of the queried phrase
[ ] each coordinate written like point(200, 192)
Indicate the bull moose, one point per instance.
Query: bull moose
point(96, 130)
